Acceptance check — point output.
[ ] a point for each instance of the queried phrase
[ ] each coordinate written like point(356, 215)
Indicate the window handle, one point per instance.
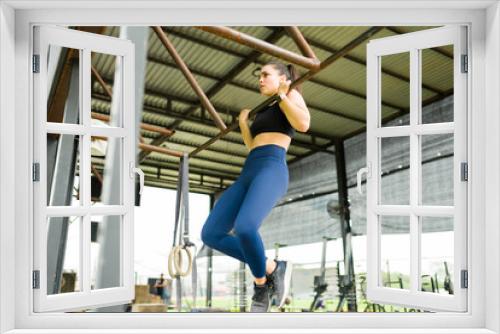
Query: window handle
point(365, 170)
point(133, 171)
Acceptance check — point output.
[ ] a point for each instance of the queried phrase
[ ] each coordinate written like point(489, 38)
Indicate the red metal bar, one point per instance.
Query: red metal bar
point(301, 42)
point(152, 148)
point(101, 81)
point(255, 43)
point(96, 173)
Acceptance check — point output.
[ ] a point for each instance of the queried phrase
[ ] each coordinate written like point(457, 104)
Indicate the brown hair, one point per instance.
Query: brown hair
point(289, 70)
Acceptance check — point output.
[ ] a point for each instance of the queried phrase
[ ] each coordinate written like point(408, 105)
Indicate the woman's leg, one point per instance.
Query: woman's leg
point(221, 220)
point(268, 185)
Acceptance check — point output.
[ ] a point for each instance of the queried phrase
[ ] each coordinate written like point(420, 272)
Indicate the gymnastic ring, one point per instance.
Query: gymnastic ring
point(176, 258)
point(178, 261)
point(171, 271)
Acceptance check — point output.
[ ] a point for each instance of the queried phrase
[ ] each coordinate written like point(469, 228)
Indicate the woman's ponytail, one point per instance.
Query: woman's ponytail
point(294, 75)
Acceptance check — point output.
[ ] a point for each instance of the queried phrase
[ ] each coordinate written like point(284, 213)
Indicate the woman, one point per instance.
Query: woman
point(263, 181)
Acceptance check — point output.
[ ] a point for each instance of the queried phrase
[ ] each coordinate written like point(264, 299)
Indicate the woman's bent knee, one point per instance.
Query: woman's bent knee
point(210, 237)
point(207, 236)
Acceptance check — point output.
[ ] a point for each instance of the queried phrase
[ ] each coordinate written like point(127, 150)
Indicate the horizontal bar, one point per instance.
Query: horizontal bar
point(420, 129)
point(66, 211)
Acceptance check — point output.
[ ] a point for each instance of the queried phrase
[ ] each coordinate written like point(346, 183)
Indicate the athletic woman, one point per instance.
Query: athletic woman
point(262, 182)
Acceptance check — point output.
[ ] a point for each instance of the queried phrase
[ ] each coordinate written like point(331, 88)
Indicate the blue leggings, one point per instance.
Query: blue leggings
point(245, 204)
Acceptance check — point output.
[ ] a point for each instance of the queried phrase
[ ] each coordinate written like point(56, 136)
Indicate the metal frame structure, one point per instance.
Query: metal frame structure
point(319, 142)
point(308, 59)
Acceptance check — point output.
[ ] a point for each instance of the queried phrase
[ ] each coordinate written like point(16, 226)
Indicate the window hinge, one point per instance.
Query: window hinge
point(36, 172)
point(464, 171)
point(36, 279)
point(465, 66)
point(36, 63)
point(464, 279)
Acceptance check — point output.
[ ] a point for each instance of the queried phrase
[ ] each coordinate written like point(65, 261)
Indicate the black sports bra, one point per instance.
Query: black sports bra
point(271, 119)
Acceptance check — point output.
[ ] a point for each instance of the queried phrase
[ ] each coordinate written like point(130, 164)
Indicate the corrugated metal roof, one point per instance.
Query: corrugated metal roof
point(336, 96)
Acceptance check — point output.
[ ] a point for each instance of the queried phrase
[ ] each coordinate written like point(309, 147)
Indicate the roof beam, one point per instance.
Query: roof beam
point(193, 168)
point(172, 185)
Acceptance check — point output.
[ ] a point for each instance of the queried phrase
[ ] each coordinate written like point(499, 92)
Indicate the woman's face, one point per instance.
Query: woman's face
point(269, 80)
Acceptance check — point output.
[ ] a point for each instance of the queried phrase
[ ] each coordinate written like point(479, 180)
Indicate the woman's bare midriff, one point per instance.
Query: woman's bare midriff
point(276, 138)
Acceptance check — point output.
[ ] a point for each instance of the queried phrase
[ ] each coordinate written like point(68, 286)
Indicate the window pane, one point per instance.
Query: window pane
point(436, 249)
point(395, 252)
point(395, 91)
point(106, 90)
point(437, 84)
point(394, 171)
point(437, 169)
point(63, 85)
point(63, 165)
point(106, 169)
point(63, 254)
point(105, 252)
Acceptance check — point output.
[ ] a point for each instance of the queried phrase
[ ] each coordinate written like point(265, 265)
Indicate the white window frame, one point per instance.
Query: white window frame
point(412, 44)
point(483, 124)
point(123, 50)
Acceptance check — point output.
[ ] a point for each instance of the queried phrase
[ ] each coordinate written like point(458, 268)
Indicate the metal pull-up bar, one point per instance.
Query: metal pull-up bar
point(242, 38)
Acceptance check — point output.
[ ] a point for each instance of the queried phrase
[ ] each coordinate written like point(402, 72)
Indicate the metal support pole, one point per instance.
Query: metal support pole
point(61, 187)
point(322, 273)
point(243, 287)
point(210, 265)
point(345, 225)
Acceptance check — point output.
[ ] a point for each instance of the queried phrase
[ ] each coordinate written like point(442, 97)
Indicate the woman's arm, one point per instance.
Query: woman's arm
point(245, 130)
point(295, 109)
